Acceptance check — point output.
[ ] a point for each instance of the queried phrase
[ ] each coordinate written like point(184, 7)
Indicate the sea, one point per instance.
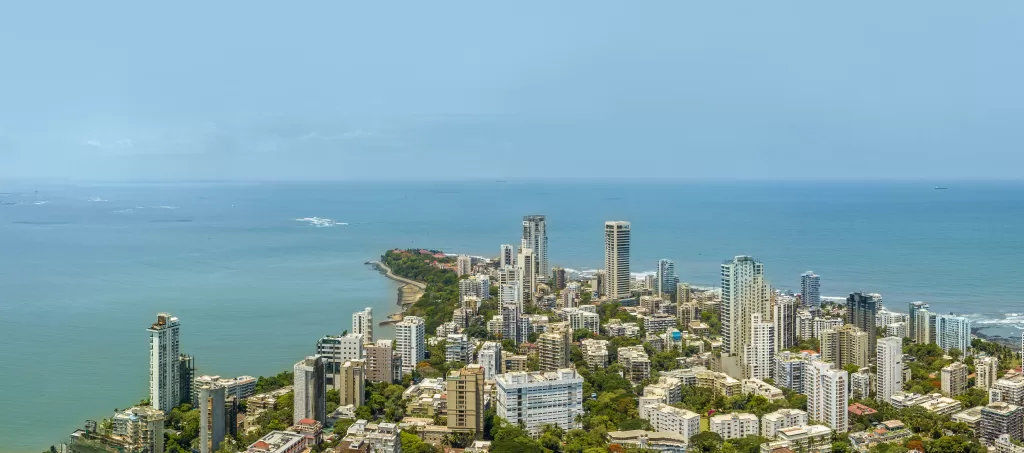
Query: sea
point(257, 272)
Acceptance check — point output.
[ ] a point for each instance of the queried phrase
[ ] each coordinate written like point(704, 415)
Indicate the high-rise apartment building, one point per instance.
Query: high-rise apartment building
point(616, 259)
point(362, 323)
point(954, 379)
point(211, 418)
point(457, 348)
point(335, 350)
point(861, 311)
point(526, 273)
point(761, 349)
point(538, 399)
point(845, 345)
point(986, 372)
point(409, 340)
point(352, 385)
point(554, 348)
point(744, 292)
point(860, 384)
point(310, 390)
point(784, 318)
point(827, 395)
point(489, 358)
point(665, 279)
point(506, 257)
point(466, 400)
point(164, 366)
point(186, 378)
point(559, 277)
point(1001, 418)
point(379, 361)
point(463, 265)
point(535, 237)
point(953, 332)
point(925, 327)
point(912, 318)
point(810, 289)
point(889, 374)
point(141, 428)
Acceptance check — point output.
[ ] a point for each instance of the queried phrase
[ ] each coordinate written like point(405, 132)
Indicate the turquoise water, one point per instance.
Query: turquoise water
point(81, 278)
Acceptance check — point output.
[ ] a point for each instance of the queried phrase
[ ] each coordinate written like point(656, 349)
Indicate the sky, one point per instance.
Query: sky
point(340, 90)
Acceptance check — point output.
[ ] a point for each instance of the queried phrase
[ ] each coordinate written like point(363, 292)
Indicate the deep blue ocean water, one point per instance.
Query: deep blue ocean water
point(85, 268)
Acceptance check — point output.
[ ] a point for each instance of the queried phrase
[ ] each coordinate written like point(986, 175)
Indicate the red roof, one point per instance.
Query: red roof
point(261, 445)
point(860, 409)
point(307, 421)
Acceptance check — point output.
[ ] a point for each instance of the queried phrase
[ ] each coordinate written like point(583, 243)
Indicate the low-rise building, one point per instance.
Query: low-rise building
point(761, 388)
point(780, 419)
point(667, 390)
point(663, 442)
point(933, 402)
point(1004, 444)
point(1001, 418)
point(617, 328)
point(595, 352)
point(970, 417)
point(138, 429)
point(806, 438)
point(665, 418)
point(889, 432)
point(363, 436)
point(721, 383)
point(735, 425)
point(635, 362)
point(279, 442)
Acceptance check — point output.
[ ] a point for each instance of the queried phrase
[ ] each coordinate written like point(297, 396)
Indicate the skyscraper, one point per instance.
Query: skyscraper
point(666, 279)
point(954, 379)
point(925, 323)
point(489, 357)
point(744, 292)
point(526, 274)
point(827, 395)
point(953, 332)
point(310, 390)
point(785, 322)
point(889, 377)
point(211, 417)
point(761, 349)
point(362, 323)
point(410, 342)
point(535, 237)
point(506, 257)
point(463, 265)
point(912, 318)
point(860, 311)
point(810, 289)
point(616, 259)
point(845, 345)
point(164, 366)
point(379, 363)
point(186, 375)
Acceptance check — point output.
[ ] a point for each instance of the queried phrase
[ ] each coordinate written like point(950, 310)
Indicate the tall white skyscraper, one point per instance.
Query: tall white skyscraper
point(986, 372)
point(362, 323)
point(410, 342)
point(616, 259)
point(526, 274)
point(761, 349)
point(889, 377)
point(953, 332)
point(912, 318)
point(489, 357)
point(666, 279)
point(828, 395)
point(164, 372)
point(535, 237)
point(744, 292)
point(510, 293)
point(810, 289)
point(463, 265)
point(310, 390)
point(507, 256)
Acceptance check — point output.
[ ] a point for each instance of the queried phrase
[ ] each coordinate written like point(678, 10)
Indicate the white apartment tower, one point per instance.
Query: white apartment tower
point(889, 360)
point(526, 274)
point(953, 332)
point(666, 279)
point(463, 265)
point(761, 349)
point(827, 395)
point(785, 320)
point(310, 390)
point(744, 292)
point(409, 339)
point(539, 399)
point(362, 323)
point(616, 259)
point(164, 373)
point(535, 237)
point(507, 256)
point(810, 289)
point(489, 357)
point(986, 372)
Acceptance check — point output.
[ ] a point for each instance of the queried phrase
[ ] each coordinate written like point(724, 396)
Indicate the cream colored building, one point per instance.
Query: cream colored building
point(466, 400)
point(845, 345)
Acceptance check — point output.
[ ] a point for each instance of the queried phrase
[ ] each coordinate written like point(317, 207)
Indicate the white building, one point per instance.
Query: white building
point(580, 318)
point(827, 395)
point(477, 286)
point(362, 323)
point(668, 419)
point(986, 372)
point(761, 348)
point(489, 357)
point(735, 425)
point(164, 373)
point(805, 324)
point(279, 442)
point(860, 384)
point(761, 388)
point(898, 330)
point(665, 279)
point(885, 317)
point(781, 419)
point(535, 237)
point(953, 332)
point(141, 429)
point(463, 265)
point(506, 257)
point(616, 259)
point(595, 352)
point(658, 322)
point(810, 289)
point(744, 292)
point(310, 390)
point(823, 324)
point(526, 268)
point(457, 348)
point(240, 387)
point(409, 340)
point(790, 368)
point(538, 399)
point(889, 373)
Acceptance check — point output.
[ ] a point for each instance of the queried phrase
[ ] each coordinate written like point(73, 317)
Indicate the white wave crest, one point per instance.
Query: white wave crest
point(320, 222)
point(40, 202)
point(97, 200)
point(125, 210)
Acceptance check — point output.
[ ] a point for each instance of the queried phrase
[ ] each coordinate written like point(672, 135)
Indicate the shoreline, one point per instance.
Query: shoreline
point(409, 291)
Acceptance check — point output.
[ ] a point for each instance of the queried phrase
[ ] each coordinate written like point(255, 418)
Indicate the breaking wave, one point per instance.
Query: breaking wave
point(320, 222)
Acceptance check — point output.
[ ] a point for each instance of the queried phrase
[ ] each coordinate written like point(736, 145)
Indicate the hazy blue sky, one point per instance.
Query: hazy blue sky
point(348, 89)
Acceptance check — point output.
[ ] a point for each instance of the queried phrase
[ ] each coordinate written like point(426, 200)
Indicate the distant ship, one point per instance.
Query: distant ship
point(941, 188)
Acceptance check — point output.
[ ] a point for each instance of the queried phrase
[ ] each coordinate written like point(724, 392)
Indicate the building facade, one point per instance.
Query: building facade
point(744, 292)
point(310, 390)
point(211, 418)
point(810, 289)
point(862, 311)
point(889, 368)
point(616, 259)
point(954, 379)
point(953, 332)
point(465, 389)
point(827, 395)
point(409, 340)
point(538, 399)
point(761, 349)
point(844, 346)
point(535, 237)
point(379, 361)
point(352, 385)
point(362, 323)
point(164, 369)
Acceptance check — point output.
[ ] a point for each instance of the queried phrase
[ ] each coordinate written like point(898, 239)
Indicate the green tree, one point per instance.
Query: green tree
point(706, 442)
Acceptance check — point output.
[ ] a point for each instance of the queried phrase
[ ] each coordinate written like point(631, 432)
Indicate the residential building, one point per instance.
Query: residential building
point(789, 370)
point(780, 419)
point(898, 330)
point(465, 389)
point(555, 347)
point(668, 419)
point(239, 387)
point(887, 432)
point(986, 371)
point(595, 352)
point(535, 237)
point(312, 430)
point(635, 363)
point(362, 324)
point(580, 318)
point(761, 388)
point(279, 442)
point(861, 311)
point(734, 425)
point(744, 293)
point(970, 417)
point(785, 322)
point(805, 438)
point(912, 318)
point(140, 428)
point(364, 436)
point(953, 332)
point(761, 349)
point(721, 383)
point(617, 328)
point(463, 265)
point(1004, 444)
point(932, 402)
point(164, 366)
point(506, 257)
point(889, 368)
point(665, 279)
point(352, 385)
point(489, 358)
point(827, 395)
point(477, 287)
point(819, 325)
point(846, 345)
point(335, 350)
point(538, 399)
point(1001, 418)
point(211, 417)
point(513, 362)
point(664, 442)
point(885, 317)
point(559, 277)
point(668, 390)
point(925, 326)
point(457, 348)
point(310, 390)
point(186, 379)
point(379, 362)
point(526, 273)
point(409, 340)
point(860, 384)
point(658, 322)
point(1011, 387)
point(810, 289)
point(616, 259)
point(954, 379)
point(805, 324)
